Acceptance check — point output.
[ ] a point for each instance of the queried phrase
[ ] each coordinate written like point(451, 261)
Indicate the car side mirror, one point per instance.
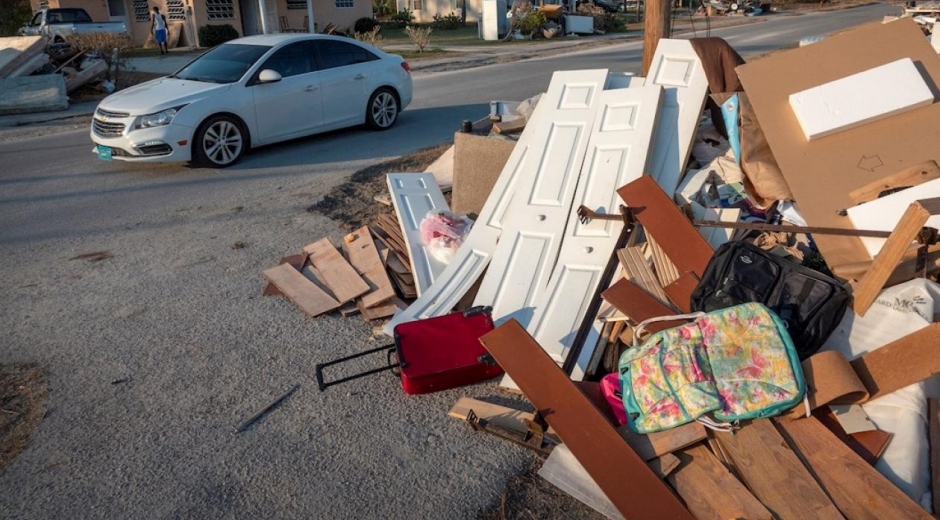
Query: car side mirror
point(269, 76)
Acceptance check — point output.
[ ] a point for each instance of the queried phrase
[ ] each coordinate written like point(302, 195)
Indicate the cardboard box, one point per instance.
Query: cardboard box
point(822, 172)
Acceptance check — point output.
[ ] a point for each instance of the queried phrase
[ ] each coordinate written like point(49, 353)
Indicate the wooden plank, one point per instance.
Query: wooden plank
point(405, 284)
point(338, 275)
point(657, 444)
point(710, 491)
point(666, 271)
point(638, 305)
point(620, 473)
point(774, 473)
point(869, 445)
point(638, 270)
point(902, 362)
point(897, 244)
point(510, 127)
point(377, 312)
point(857, 489)
point(908, 177)
point(364, 257)
point(349, 309)
point(295, 261)
point(681, 242)
point(680, 291)
point(300, 290)
point(933, 427)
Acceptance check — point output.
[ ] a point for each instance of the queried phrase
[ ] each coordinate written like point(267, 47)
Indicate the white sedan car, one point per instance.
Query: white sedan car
point(251, 92)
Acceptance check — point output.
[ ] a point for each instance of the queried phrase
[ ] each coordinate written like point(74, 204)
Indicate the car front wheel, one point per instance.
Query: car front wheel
point(220, 142)
point(382, 111)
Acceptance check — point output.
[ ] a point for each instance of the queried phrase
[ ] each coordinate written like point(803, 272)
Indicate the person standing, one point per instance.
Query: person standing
point(158, 28)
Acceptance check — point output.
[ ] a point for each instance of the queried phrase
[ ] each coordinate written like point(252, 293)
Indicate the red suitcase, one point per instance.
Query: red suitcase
point(433, 354)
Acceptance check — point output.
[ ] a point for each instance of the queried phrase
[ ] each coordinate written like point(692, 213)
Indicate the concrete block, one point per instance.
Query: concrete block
point(15, 51)
point(855, 100)
point(43, 93)
point(31, 65)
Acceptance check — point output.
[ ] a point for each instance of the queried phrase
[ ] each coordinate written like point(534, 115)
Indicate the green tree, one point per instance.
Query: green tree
point(13, 14)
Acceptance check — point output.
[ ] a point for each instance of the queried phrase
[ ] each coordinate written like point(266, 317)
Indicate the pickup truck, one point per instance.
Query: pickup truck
point(58, 24)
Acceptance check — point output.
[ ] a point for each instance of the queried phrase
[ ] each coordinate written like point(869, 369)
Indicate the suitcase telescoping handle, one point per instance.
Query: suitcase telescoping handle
point(389, 349)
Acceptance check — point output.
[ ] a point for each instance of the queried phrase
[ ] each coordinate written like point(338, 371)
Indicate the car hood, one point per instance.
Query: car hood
point(160, 94)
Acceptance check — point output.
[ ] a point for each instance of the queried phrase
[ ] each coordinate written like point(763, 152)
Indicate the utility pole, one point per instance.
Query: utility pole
point(655, 27)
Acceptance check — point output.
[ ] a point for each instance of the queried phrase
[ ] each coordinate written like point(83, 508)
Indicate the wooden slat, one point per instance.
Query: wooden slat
point(349, 309)
point(681, 242)
point(502, 416)
point(869, 445)
point(337, 274)
point(364, 257)
point(888, 258)
point(908, 177)
point(405, 284)
point(300, 290)
point(620, 473)
point(710, 491)
point(680, 291)
point(857, 489)
point(638, 305)
point(775, 474)
point(377, 312)
point(666, 271)
point(902, 362)
point(295, 261)
point(933, 428)
point(510, 127)
point(658, 444)
point(637, 270)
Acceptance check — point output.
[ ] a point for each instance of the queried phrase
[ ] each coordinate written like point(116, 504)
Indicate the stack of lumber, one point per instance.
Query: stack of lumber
point(354, 279)
point(387, 232)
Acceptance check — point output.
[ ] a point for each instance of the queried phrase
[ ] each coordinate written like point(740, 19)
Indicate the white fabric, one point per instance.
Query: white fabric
point(898, 311)
point(158, 23)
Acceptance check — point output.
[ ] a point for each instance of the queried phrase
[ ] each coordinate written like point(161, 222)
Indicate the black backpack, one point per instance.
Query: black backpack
point(810, 303)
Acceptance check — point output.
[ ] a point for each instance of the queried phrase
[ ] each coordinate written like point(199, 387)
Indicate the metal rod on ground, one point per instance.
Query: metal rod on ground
point(793, 229)
point(256, 417)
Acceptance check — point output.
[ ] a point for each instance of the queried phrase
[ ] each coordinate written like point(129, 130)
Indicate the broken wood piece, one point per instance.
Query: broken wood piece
point(869, 445)
point(304, 293)
point(267, 409)
point(295, 261)
point(364, 257)
point(86, 75)
point(638, 305)
point(620, 473)
point(338, 275)
point(680, 291)
point(902, 362)
point(377, 312)
point(657, 444)
point(349, 309)
point(502, 416)
point(638, 270)
point(510, 127)
point(908, 177)
point(383, 199)
point(933, 435)
point(666, 271)
point(710, 491)
point(890, 255)
point(774, 473)
point(857, 489)
point(673, 232)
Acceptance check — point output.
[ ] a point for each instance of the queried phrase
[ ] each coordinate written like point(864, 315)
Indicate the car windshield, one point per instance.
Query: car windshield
point(226, 63)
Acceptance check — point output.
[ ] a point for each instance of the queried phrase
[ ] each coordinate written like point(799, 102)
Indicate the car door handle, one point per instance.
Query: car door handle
point(310, 88)
point(359, 76)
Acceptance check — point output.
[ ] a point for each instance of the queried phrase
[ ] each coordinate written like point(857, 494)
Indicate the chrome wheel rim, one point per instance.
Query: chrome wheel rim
point(384, 109)
point(222, 142)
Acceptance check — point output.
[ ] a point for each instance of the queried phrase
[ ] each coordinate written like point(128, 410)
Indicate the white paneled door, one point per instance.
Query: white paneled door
point(535, 220)
point(414, 195)
point(617, 153)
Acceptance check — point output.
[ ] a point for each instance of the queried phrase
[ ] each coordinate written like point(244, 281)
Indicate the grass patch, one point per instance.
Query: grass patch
point(23, 392)
point(428, 53)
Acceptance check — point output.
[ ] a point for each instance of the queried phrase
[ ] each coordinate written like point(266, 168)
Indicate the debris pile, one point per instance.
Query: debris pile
point(720, 298)
point(36, 77)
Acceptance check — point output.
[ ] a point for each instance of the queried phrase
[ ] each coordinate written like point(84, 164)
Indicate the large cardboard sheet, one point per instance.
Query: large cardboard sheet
point(822, 172)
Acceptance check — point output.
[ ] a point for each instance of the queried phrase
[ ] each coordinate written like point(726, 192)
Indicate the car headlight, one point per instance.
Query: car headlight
point(162, 118)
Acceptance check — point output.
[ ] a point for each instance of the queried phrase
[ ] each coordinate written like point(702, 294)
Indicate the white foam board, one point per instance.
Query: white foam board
point(855, 100)
point(883, 214)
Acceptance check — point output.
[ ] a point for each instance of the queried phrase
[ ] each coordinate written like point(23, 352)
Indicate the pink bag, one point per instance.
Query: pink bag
point(610, 388)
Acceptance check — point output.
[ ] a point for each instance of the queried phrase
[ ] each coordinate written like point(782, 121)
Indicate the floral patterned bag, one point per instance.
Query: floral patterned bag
point(735, 363)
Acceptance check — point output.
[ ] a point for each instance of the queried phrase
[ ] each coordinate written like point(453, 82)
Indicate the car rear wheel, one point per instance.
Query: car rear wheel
point(220, 142)
point(382, 111)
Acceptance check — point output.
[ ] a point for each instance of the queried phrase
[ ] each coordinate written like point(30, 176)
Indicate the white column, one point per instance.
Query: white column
point(264, 17)
point(310, 28)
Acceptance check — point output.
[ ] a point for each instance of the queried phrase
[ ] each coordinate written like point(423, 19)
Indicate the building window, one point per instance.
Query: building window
point(344, 4)
point(220, 9)
point(141, 12)
point(174, 10)
point(416, 5)
point(297, 4)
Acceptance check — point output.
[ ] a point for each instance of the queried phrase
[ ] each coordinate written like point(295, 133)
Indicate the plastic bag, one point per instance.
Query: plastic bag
point(444, 232)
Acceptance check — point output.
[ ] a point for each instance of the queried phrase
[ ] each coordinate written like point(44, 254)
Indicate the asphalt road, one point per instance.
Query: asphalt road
point(177, 312)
